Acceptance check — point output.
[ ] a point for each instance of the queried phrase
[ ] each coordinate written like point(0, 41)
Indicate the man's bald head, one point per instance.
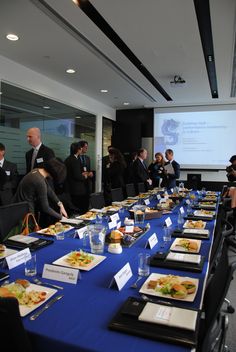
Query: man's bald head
point(34, 136)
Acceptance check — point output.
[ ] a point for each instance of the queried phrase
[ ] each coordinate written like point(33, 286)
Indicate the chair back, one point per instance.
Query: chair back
point(130, 190)
point(117, 194)
point(141, 187)
point(10, 216)
point(96, 200)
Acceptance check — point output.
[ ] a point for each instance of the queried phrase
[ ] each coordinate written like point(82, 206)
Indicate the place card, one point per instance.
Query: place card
point(118, 225)
point(129, 228)
point(181, 210)
point(60, 273)
point(168, 222)
point(112, 225)
point(18, 258)
point(152, 241)
point(187, 201)
point(158, 197)
point(147, 201)
point(80, 232)
point(115, 217)
point(121, 278)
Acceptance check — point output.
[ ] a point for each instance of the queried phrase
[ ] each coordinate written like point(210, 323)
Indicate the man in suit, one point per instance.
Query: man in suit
point(39, 153)
point(140, 170)
point(172, 169)
point(8, 188)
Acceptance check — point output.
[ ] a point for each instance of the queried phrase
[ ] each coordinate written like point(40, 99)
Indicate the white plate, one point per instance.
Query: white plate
point(176, 248)
point(154, 276)
point(42, 232)
point(187, 226)
point(83, 217)
point(197, 231)
point(202, 213)
point(24, 310)
point(72, 221)
point(97, 260)
point(210, 206)
point(7, 252)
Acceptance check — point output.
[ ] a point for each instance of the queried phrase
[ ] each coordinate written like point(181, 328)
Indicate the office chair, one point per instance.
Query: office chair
point(213, 327)
point(11, 326)
point(10, 216)
point(130, 190)
point(117, 194)
point(96, 200)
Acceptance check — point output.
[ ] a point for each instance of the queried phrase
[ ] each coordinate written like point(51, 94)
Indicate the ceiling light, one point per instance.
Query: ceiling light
point(76, 2)
point(12, 37)
point(78, 117)
point(177, 81)
point(0, 93)
point(46, 107)
point(126, 103)
point(70, 70)
point(104, 91)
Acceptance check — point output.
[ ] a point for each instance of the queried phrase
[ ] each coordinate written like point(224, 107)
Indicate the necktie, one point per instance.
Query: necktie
point(35, 152)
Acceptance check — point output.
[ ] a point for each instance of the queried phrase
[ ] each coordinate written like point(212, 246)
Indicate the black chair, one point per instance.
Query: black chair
point(213, 326)
point(96, 200)
point(11, 326)
point(117, 194)
point(130, 190)
point(141, 187)
point(10, 216)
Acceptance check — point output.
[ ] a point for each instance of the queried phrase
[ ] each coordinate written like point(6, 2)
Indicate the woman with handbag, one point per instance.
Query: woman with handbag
point(35, 189)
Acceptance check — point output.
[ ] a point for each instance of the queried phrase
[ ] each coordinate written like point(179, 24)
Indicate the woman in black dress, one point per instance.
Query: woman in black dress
point(156, 169)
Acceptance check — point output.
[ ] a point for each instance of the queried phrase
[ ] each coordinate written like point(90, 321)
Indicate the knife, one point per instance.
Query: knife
point(47, 305)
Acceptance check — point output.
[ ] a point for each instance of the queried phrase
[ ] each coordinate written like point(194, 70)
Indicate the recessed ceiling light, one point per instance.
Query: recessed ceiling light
point(126, 103)
point(104, 91)
point(78, 117)
point(70, 70)
point(0, 93)
point(12, 37)
point(46, 107)
point(76, 2)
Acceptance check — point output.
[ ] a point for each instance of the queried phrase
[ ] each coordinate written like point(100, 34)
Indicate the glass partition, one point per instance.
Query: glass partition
point(59, 123)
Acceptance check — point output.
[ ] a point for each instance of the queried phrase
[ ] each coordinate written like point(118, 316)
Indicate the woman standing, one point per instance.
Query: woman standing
point(156, 169)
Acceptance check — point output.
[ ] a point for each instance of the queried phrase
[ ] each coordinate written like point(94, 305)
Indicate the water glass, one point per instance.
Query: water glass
point(60, 235)
point(167, 234)
point(143, 264)
point(31, 265)
point(96, 234)
point(139, 214)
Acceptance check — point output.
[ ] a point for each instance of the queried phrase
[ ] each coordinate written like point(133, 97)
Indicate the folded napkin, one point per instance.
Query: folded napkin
point(184, 257)
point(171, 316)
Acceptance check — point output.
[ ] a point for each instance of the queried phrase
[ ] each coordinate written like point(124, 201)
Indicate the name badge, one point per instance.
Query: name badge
point(114, 217)
point(168, 222)
point(152, 241)
point(59, 273)
point(18, 258)
point(172, 190)
point(85, 168)
point(8, 172)
point(39, 160)
point(147, 201)
point(181, 210)
point(121, 278)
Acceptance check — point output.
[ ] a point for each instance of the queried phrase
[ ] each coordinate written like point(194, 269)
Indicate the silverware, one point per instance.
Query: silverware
point(47, 305)
point(153, 300)
point(134, 285)
point(39, 282)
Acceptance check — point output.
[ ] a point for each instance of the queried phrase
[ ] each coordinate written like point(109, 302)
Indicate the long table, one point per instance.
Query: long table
point(79, 321)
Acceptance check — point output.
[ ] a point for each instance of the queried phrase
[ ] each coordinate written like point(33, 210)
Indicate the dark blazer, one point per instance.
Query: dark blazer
point(140, 172)
point(76, 183)
point(171, 178)
point(45, 153)
point(8, 189)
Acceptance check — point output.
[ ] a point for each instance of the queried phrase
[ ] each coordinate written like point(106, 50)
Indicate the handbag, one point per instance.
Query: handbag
point(29, 224)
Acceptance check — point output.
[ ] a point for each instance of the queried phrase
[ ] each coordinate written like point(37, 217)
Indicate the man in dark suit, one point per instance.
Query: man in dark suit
point(77, 179)
point(172, 169)
point(39, 153)
point(8, 188)
point(140, 170)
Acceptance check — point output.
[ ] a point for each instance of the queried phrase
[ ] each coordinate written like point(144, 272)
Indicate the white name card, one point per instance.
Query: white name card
point(112, 224)
point(147, 201)
point(152, 241)
point(115, 217)
point(129, 228)
point(60, 273)
point(181, 210)
point(168, 222)
point(187, 201)
point(118, 225)
point(158, 197)
point(122, 276)
point(18, 258)
point(80, 232)
point(8, 173)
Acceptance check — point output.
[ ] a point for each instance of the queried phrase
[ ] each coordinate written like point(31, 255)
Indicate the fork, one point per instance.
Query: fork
point(39, 282)
point(134, 285)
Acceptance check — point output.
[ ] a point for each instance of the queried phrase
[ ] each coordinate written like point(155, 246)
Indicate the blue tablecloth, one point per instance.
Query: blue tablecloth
point(79, 321)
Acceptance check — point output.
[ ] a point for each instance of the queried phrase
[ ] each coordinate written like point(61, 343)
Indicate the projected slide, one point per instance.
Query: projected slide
point(199, 139)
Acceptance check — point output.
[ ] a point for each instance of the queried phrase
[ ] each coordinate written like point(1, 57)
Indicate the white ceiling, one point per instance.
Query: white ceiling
point(163, 34)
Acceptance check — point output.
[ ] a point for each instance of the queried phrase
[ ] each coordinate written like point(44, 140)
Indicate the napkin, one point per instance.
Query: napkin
point(198, 231)
point(171, 316)
point(184, 257)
